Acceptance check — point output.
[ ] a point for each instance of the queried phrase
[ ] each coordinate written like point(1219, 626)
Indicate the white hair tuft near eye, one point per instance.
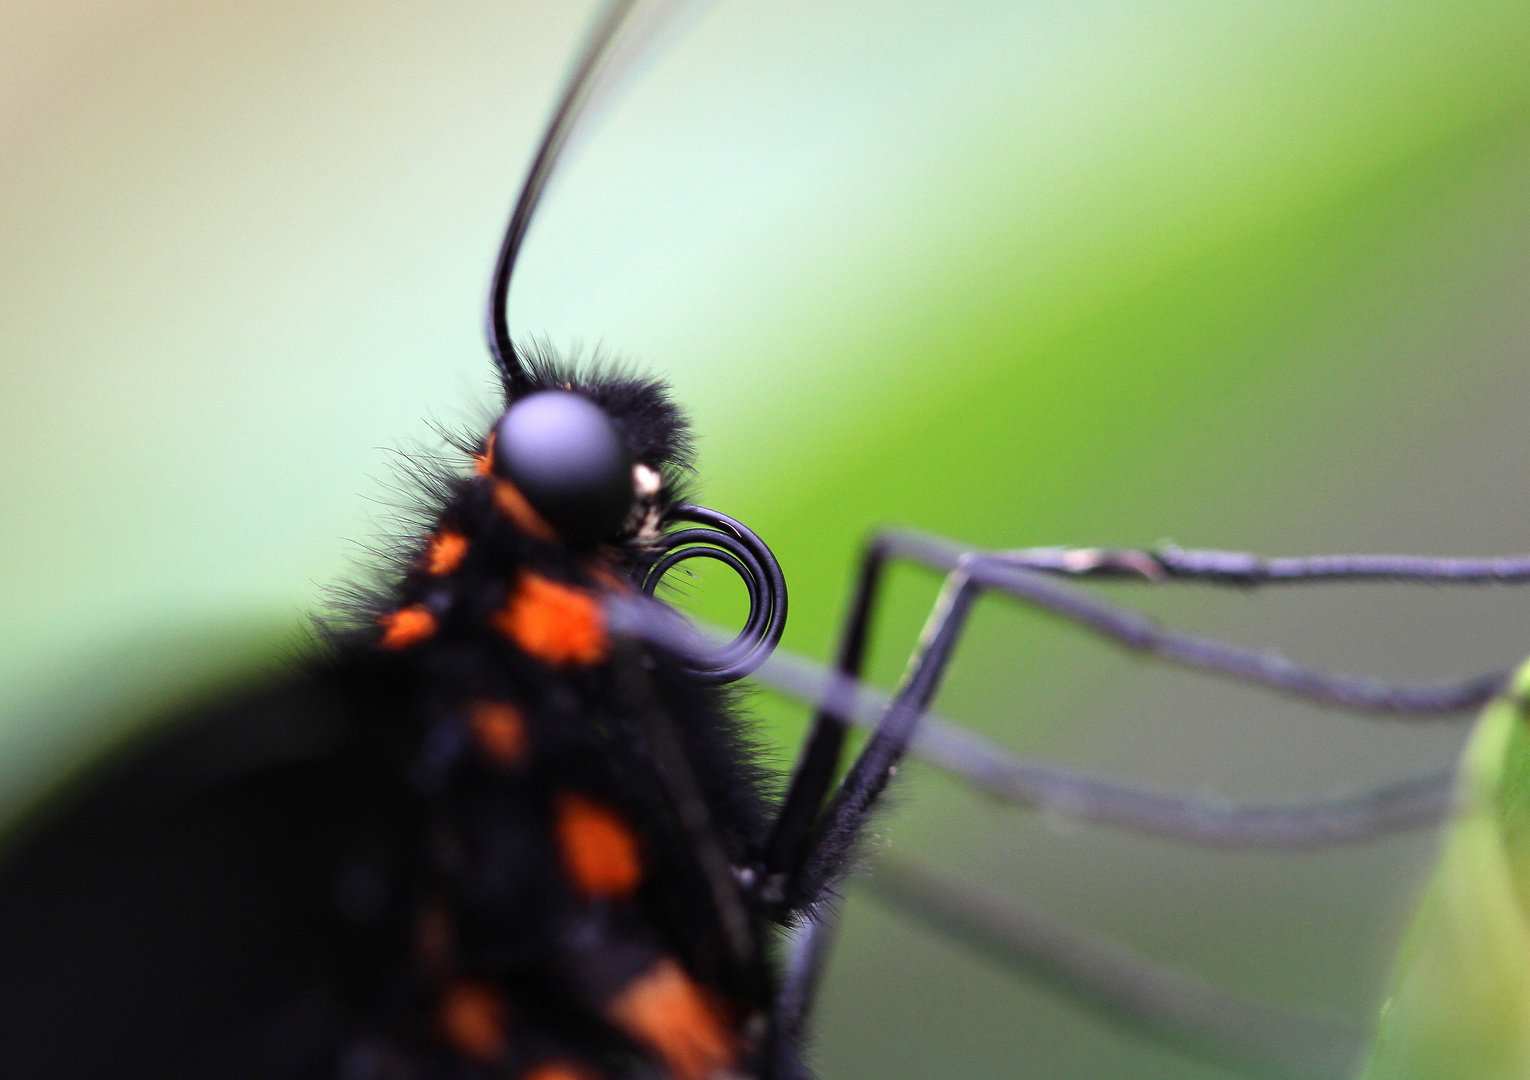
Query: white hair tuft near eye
point(646, 481)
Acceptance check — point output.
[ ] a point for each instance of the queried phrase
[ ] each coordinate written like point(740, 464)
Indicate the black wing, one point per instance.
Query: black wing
point(149, 914)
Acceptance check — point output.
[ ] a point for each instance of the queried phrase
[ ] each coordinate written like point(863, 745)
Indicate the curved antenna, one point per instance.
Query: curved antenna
point(593, 70)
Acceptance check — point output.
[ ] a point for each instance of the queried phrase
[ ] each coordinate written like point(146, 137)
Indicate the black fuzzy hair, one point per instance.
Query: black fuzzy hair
point(427, 481)
point(643, 407)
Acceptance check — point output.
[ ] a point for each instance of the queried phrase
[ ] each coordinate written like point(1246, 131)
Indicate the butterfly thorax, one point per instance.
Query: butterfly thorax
point(548, 803)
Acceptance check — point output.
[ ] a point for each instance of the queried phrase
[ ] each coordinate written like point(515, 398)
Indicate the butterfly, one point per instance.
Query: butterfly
point(253, 757)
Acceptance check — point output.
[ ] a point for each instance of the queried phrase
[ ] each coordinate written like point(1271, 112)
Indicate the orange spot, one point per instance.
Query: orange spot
point(500, 731)
point(560, 1070)
point(483, 463)
point(511, 503)
point(599, 851)
point(508, 498)
point(555, 623)
point(406, 626)
point(445, 552)
point(667, 1012)
point(472, 1019)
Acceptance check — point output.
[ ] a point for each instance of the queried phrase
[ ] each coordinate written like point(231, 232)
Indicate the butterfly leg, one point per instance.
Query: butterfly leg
point(843, 818)
point(819, 761)
point(1029, 575)
point(810, 840)
point(807, 847)
point(1142, 634)
point(808, 944)
point(1241, 568)
point(840, 824)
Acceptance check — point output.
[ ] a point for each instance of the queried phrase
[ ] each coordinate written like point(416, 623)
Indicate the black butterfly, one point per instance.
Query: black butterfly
point(509, 823)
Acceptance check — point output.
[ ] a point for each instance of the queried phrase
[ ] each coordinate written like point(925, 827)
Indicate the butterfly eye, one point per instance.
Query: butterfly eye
point(568, 459)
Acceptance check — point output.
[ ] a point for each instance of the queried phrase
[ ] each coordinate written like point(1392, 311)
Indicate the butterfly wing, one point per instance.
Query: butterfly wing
point(150, 913)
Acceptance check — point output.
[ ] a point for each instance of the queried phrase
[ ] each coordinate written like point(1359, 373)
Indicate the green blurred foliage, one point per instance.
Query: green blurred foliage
point(1460, 1001)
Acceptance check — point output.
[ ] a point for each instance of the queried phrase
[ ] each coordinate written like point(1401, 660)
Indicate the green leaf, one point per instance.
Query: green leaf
point(1460, 1001)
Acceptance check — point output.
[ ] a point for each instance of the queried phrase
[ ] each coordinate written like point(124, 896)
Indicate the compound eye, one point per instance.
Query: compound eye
point(567, 458)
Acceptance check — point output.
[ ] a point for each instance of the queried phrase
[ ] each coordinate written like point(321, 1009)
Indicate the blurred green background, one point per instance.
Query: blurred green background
point(1231, 274)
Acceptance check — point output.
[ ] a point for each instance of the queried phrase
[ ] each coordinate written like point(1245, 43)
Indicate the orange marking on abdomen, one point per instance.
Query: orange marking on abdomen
point(445, 552)
point(600, 853)
point(557, 624)
point(667, 1012)
point(510, 502)
point(560, 1070)
point(472, 1016)
point(499, 730)
point(405, 627)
